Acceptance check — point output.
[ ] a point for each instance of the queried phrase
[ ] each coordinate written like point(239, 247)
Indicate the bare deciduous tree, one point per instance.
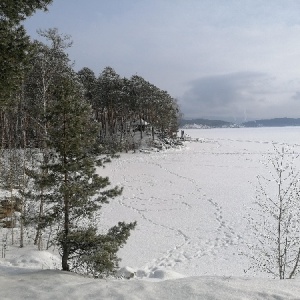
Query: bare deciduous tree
point(277, 223)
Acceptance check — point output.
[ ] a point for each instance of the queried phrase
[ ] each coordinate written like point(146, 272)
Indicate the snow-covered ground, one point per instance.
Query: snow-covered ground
point(191, 205)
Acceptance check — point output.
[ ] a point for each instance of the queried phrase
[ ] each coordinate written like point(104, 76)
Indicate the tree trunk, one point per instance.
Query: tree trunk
point(22, 218)
point(65, 257)
point(65, 242)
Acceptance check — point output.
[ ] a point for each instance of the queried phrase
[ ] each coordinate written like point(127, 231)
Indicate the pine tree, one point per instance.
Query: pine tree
point(76, 190)
point(49, 63)
point(88, 79)
point(15, 46)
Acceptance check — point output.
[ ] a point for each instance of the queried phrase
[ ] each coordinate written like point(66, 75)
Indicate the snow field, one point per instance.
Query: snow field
point(191, 205)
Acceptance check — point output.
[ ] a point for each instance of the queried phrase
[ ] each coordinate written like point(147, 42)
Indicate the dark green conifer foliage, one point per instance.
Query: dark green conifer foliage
point(88, 79)
point(18, 10)
point(77, 191)
point(15, 46)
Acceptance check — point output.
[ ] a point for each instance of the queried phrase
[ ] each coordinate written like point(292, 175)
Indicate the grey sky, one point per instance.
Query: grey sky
point(230, 59)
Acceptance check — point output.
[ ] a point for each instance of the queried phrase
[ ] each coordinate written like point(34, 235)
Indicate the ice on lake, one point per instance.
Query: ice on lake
point(191, 204)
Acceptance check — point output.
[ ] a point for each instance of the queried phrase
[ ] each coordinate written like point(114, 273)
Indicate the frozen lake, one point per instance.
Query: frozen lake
point(191, 204)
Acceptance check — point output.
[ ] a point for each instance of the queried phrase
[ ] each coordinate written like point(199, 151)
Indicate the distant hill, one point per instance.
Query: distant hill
point(205, 123)
point(277, 122)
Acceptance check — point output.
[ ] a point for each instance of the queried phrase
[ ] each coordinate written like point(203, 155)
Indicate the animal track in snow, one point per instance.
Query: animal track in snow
point(192, 246)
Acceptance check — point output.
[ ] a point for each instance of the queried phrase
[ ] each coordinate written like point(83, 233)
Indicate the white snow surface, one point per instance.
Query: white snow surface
point(191, 206)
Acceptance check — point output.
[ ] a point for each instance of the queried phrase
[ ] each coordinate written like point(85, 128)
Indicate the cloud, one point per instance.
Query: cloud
point(229, 95)
point(296, 96)
point(240, 96)
point(184, 46)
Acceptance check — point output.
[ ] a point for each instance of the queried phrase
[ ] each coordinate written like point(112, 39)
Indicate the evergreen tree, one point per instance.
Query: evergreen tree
point(49, 63)
point(88, 79)
point(109, 88)
point(18, 10)
point(15, 46)
point(75, 186)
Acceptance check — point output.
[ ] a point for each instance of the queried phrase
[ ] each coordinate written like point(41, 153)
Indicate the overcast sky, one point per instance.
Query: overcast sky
point(225, 59)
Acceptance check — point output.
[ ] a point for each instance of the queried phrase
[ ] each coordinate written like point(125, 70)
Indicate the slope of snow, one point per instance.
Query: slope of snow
point(51, 284)
point(192, 206)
